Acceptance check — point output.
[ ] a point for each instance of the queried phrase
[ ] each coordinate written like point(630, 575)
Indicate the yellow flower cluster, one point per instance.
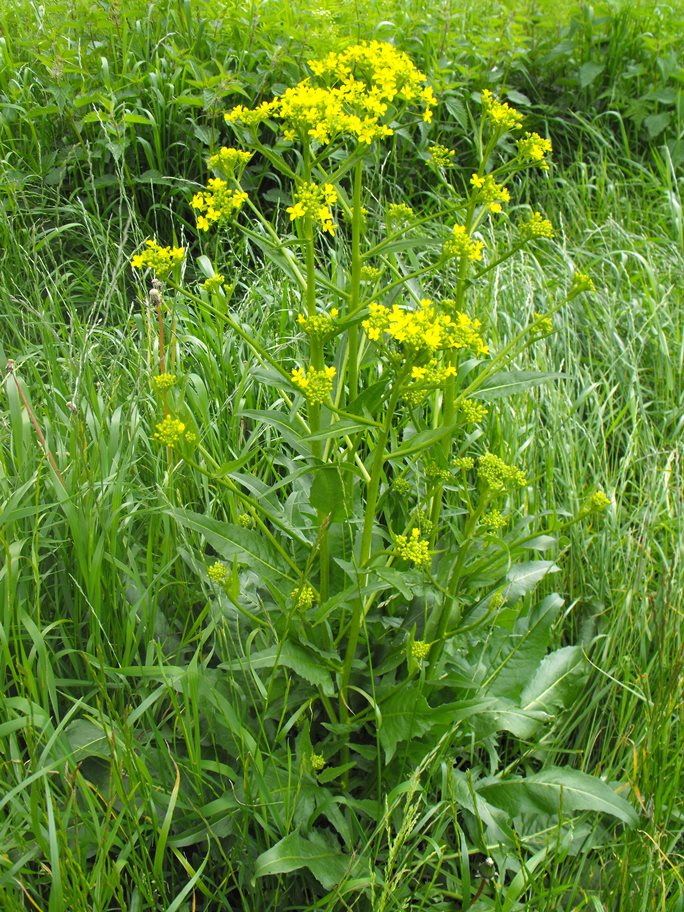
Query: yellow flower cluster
point(534, 148)
point(169, 431)
point(317, 762)
point(464, 463)
point(214, 283)
point(544, 324)
point(420, 650)
point(413, 548)
point(370, 273)
point(441, 156)
point(217, 204)
point(161, 259)
point(245, 520)
point(424, 329)
point(435, 472)
point(303, 597)
point(462, 245)
point(581, 282)
point(217, 573)
point(356, 88)
point(472, 411)
point(399, 213)
point(314, 200)
point(402, 487)
point(500, 114)
point(537, 227)
point(497, 475)
point(251, 117)
point(494, 520)
point(231, 162)
point(164, 381)
point(316, 384)
point(598, 502)
point(489, 193)
point(432, 374)
point(319, 325)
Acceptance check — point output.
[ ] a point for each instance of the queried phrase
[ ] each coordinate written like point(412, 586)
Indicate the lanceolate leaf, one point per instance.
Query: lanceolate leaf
point(321, 855)
point(230, 540)
point(302, 661)
point(554, 681)
point(556, 791)
point(524, 577)
point(506, 383)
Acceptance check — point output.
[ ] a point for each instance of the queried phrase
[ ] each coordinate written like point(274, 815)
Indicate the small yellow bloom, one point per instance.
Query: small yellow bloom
point(164, 381)
point(169, 431)
point(414, 549)
point(217, 572)
point(315, 384)
point(160, 259)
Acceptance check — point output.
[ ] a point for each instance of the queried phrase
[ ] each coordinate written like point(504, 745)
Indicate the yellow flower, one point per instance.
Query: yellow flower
point(319, 326)
point(160, 259)
point(315, 384)
point(414, 549)
point(314, 200)
point(500, 114)
point(533, 148)
point(169, 431)
point(217, 204)
point(462, 245)
point(537, 227)
point(350, 94)
point(496, 475)
point(215, 282)
point(231, 162)
point(420, 650)
point(304, 597)
point(217, 572)
point(489, 193)
point(164, 381)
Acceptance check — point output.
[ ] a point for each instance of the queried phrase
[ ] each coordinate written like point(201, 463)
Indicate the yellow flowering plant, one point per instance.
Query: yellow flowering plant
point(390, 528)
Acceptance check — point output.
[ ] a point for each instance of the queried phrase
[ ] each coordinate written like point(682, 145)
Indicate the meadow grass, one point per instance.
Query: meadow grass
point(135, 717)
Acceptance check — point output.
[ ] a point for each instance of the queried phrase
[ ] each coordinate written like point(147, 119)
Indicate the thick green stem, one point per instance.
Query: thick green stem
point(367, 542)
point(355, 292)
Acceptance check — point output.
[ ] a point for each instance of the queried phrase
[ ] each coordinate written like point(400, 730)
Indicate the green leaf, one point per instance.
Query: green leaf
point(507, 383)
point(554, 682)
point(230, 540)
point(522, 578)
point(554, 790)
point(589, 72)
point(404, 717)
point(328, 494)
point(656, 123)
point(319, 853)
point(522, 650)
point(297, 658)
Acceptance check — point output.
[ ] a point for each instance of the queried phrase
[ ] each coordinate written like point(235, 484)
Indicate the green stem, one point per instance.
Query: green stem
point(353, 332)
point(367, 540)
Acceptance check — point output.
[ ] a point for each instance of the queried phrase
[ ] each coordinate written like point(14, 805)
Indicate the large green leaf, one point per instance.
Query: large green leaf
point(297, 658)
point(554, 682)
point(231, 541)
point(507, 383)
point(319, 853)
point(521, 651)
point(556, 790)
point(405, 715)
point(328, 494)
point(522, 578)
